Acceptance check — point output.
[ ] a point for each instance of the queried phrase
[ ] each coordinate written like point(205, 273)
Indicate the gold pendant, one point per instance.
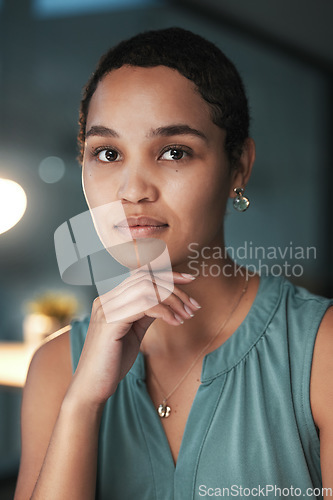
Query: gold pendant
point(163, 410)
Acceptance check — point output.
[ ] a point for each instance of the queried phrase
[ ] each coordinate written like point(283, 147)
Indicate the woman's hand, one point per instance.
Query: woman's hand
point(119, 321)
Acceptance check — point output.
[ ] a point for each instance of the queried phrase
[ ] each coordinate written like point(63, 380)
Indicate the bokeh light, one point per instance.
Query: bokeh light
point(51, 169)
point(13, 202)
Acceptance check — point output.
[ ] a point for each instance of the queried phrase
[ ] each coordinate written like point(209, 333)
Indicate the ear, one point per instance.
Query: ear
point(242, 170)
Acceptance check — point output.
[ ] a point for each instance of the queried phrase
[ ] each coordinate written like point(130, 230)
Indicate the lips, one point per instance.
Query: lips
point(140, 221)
point(141, 227)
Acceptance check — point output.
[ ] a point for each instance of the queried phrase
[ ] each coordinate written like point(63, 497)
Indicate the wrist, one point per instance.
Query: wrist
point(77, 402)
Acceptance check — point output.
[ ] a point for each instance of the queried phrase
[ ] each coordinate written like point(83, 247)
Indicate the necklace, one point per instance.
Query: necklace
point(163, 409)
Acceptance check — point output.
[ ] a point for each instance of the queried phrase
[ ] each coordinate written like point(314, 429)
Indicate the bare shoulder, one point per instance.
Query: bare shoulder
point(49, 376)
point(321, 395)
point(50, 372)
point(53, 361)
point(321, 389)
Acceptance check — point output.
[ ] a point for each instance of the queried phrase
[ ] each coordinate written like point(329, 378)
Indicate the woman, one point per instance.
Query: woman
point(207, 391)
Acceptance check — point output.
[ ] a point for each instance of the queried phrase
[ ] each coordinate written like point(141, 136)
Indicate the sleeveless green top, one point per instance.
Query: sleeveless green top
point(250, 431)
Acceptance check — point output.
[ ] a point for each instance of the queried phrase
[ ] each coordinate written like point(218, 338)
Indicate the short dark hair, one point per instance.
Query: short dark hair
point(194, 57)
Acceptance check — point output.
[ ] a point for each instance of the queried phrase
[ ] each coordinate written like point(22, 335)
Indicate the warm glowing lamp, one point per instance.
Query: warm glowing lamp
point(13, 202)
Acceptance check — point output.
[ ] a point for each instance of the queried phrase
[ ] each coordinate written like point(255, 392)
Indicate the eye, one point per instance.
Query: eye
point(107, 155)
point(174, 153)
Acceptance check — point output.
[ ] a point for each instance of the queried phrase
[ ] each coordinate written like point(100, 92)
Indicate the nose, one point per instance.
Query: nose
point(137, 184)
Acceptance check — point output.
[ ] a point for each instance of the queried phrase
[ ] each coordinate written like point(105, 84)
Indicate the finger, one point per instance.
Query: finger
point(135, 306)
point(141, 274)
point(164, 279)
point(134, 300)
point(142, 286)
point(167, 275)
point(138, 309)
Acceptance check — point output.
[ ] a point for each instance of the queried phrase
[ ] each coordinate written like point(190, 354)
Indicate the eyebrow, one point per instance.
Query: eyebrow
point(100, 131)
point(167, 131)
point(181, 129)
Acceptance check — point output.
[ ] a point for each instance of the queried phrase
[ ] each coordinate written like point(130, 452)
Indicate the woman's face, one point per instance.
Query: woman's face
point(152, 147)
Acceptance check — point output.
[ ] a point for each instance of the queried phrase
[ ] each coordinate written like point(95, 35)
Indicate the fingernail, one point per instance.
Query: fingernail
point(188, 276)
point(194, 302)
point(178, 318)
point(188, 310)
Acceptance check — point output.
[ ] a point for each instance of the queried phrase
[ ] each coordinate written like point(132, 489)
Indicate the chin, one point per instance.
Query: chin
point(150, 252)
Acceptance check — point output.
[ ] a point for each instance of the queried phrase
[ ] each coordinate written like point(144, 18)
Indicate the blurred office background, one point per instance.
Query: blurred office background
point(48, 49)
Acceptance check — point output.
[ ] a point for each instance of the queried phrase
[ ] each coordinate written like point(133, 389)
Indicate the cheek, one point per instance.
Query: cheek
point(93, 189)
point(87, 187)
point(205, 197)
point(199, 213)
